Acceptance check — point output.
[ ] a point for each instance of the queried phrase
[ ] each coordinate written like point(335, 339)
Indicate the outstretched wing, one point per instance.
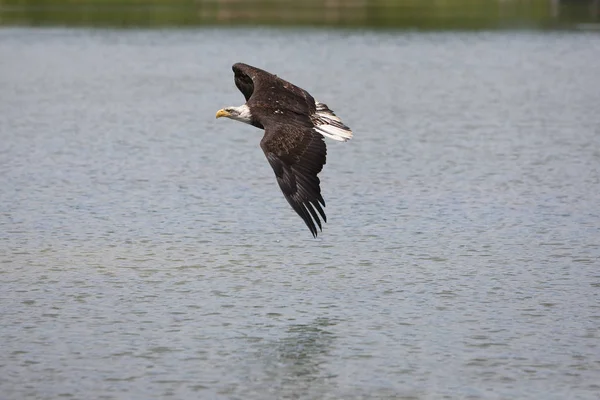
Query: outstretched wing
point(243, 79)
point(269, 90)
point(297, 154)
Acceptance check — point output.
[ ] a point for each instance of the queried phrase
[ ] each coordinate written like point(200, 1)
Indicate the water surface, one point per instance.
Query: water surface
point(147, 252)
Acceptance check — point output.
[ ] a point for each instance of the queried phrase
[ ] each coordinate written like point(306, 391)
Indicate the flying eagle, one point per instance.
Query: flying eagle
point(294, 124)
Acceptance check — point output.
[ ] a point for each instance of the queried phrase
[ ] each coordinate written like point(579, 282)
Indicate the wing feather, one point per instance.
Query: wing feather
point(297, 154)
point(266, 89)
point(242, 80)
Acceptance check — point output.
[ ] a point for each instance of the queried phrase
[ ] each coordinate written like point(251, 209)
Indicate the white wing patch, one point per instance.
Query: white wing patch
point(330, 125)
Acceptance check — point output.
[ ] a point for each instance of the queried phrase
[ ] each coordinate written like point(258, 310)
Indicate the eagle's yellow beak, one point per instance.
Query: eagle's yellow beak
point(222, 113)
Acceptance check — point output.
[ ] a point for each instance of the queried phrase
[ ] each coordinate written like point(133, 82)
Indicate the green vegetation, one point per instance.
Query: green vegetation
point(405, 14)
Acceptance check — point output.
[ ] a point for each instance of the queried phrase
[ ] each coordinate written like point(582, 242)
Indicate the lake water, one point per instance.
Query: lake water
point(146, 250)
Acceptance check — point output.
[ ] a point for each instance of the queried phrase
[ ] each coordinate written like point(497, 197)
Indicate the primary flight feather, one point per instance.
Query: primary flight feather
point(294, 124)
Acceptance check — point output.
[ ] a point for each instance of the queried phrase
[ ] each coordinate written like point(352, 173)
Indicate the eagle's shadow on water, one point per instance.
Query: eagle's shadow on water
point(293, 364)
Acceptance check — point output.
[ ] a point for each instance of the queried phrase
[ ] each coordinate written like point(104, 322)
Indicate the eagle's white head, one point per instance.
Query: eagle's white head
point(241, 113)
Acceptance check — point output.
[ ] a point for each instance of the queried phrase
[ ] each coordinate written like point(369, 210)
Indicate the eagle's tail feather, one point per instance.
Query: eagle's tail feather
point(330, 125)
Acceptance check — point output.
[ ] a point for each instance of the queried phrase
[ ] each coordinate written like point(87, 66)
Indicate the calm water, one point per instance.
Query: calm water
point(147, 252)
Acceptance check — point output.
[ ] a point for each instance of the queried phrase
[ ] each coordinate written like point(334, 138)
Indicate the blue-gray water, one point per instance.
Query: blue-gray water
point(147, 252)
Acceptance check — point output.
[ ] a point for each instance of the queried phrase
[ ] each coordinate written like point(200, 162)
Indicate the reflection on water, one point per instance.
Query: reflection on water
point(294, 365)
point(456, 14)
point(303, 350)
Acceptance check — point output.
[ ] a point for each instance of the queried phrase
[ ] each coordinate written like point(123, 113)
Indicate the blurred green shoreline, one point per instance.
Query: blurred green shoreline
point(401, 14)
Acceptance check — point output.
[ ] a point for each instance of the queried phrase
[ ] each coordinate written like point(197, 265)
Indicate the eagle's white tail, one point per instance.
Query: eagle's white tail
point(330, 125)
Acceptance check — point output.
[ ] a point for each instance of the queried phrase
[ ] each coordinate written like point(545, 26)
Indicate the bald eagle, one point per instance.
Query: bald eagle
point(294, 124)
